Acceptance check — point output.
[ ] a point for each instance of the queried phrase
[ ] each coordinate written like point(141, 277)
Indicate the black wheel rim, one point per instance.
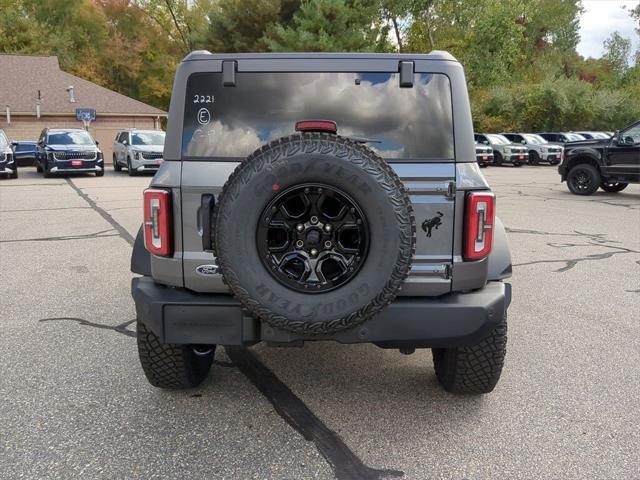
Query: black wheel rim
point(313, 238)
point(581, 180)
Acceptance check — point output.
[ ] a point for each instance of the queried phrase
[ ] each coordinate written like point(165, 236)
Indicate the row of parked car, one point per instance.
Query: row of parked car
point(587, 160)
point(532, 148)
point(74, 150)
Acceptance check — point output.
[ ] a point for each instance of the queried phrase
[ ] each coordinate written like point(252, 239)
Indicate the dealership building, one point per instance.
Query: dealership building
point(35, 94)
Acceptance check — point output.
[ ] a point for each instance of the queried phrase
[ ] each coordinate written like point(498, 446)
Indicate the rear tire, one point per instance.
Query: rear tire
point(116, 165)
point(613, 187)
point(497, 158)
point(475, 369)
point(534, 158)
point(171, 366)
point(583, 179)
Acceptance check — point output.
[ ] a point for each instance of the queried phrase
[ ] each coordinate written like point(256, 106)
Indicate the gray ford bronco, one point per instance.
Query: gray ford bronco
point(310, 197)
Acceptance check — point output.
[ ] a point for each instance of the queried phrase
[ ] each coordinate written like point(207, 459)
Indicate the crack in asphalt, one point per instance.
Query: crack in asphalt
point(103, 213)
point(595, 240)
point(120, 328)
point(596, 237)
point(344, 462)
point(44, 209)
point(86, 236)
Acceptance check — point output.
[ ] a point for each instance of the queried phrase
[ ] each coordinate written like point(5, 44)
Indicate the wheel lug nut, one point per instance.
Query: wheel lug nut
point(327, 228)
point(314, 220)
point(299, 227)
point(313, 252)
point(299, 244)
point(327, 244)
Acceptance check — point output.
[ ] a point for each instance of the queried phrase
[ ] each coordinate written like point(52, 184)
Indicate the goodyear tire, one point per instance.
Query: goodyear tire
point(474, 369)
point(171, 366)
point(295, 189)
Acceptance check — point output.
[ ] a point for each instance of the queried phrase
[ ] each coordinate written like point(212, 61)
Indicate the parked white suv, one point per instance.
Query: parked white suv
point(138, 150)
point(540, 150)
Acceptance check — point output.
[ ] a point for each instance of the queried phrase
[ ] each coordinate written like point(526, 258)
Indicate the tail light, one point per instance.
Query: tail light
point(157, 222)
point(317, 126)
point(479, 218)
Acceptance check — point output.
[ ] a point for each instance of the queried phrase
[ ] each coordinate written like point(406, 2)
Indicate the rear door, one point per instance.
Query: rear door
point(410, 126)
point(623, 153)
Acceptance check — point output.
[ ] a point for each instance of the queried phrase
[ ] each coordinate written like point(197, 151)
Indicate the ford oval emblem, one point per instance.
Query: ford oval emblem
point(207, 270)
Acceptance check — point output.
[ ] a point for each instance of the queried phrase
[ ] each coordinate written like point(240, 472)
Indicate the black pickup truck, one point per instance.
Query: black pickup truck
point(610, 164)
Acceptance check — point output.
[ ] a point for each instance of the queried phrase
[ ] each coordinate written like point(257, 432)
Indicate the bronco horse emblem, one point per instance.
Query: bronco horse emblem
point(431, 223)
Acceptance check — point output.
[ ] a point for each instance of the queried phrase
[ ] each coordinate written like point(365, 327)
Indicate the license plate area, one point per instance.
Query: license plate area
point(76, 163)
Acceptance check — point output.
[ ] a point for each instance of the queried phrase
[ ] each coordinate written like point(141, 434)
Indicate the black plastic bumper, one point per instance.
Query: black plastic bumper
point(181, 316)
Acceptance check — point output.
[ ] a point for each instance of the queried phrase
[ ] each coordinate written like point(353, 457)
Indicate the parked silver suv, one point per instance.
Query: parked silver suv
point(317, 196)
point(504, 150)
point(540, 150)
point(138, 150)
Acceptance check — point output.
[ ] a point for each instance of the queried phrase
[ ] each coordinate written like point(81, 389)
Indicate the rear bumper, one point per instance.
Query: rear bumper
point(181, 316)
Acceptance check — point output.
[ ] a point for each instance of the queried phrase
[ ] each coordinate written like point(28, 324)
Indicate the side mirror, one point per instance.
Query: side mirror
point(523, 142)
point(97, 142)
point(125, 142)
point(486, 142)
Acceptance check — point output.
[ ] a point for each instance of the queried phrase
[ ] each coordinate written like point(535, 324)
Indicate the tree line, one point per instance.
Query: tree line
point(519, 56)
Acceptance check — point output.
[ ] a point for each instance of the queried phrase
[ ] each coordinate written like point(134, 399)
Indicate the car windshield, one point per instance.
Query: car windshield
point(70, 138)
point(25, 146)
point(147, 138)
point(499, 139)
point(534, 139)
point(574, 137)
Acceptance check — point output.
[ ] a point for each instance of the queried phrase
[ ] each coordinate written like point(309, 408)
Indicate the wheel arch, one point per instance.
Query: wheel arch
point(581, 158)
point(499, 266)
point(140, 257)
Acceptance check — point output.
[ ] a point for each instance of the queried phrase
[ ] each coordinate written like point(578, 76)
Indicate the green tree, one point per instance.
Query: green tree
point(240, 25)
point(617, 52)
point(330, 25)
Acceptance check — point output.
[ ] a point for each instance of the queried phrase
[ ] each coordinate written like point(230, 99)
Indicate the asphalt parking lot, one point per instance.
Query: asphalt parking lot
point(75, 403)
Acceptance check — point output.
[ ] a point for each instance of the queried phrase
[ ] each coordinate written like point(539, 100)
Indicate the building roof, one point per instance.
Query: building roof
point(22, 76)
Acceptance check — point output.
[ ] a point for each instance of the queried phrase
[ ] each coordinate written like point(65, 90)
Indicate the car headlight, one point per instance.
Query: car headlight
point(543, 149)
point(137, 155)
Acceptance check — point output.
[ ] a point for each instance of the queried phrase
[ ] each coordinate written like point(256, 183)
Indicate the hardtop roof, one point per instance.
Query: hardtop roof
point(439, 55)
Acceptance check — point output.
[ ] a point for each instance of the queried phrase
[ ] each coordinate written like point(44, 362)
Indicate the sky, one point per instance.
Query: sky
point(600, 19)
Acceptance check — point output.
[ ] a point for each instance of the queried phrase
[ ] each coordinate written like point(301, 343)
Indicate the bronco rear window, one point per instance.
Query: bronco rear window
point(399, 123)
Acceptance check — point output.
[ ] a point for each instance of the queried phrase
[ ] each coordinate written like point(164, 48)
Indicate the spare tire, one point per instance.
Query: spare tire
point(314, 233)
